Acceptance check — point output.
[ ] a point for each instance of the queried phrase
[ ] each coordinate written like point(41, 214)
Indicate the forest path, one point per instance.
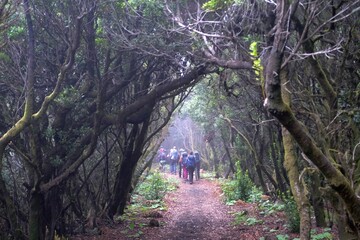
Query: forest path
point(195, 212)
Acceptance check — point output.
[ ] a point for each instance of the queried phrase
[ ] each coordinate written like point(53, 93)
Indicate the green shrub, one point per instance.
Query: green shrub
point(253, 221)
point(292, 215)
point(321, 236)
point(255, 195)
point(244, 185)
point(282, 237)
point(154, 187)
point(229, 191)
point(239, 188)
point(267, 207)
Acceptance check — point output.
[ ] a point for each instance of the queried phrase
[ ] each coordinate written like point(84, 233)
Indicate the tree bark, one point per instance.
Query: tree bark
point(36, 217)
point(276, 155)
point(133, 152)
point(215, 159)
point(227, 151)
point(297, 185)
point(317, 201)
point(298, 190)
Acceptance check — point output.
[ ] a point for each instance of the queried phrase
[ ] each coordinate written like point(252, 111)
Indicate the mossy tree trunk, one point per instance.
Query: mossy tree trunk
point(317, 200)
point(297, 184)
point(298, 190)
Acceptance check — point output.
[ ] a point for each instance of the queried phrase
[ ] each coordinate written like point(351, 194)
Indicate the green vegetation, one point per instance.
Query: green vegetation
point(267, 207)
point(155, 187)
point(292, 214)
point(242, 218)
point(239, 188)
point(148, 196)
point(146, 200)
point(325, 235)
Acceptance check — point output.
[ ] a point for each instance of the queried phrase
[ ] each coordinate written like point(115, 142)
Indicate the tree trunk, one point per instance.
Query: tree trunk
point(276, 155)
point(259, 165)
point(37, 225)
point(122, 187)
point(215, 160)
point(317, 201)
point(133, 152)
point(297, 189)
point(227, 151)
point(297, 185)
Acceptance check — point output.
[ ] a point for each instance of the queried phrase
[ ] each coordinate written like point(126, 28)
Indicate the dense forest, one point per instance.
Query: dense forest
point(89, 90)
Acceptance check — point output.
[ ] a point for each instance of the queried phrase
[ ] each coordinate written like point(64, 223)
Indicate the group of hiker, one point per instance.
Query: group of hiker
point(187, 163)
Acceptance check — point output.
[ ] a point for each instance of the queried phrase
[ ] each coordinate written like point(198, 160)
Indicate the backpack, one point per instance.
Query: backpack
point(162, 156)
point(190, 161)
point(184, 157)
point(197, 157)
point(174, 154)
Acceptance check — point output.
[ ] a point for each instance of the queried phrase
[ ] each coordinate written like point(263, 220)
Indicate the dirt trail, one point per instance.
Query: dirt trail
point(195, 212)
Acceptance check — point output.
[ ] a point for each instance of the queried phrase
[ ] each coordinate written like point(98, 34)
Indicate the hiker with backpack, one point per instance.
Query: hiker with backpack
point(174, 158)
point(183, 160)
point(190, 166)
point(197, 165)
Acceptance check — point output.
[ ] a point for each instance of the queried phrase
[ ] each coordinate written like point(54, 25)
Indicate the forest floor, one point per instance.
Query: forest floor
point(197, 211)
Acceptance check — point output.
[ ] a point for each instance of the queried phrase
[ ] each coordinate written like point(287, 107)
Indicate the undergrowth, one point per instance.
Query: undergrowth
point(241, 187)
point(154, 187)
point(147, 197)
point(292, 215)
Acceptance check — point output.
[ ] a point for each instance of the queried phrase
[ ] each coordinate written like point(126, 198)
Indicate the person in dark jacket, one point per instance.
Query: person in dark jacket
point(190, 166)
point(183, 161)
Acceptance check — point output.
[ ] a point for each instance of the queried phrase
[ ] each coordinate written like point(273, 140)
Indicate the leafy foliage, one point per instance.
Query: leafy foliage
point(242, 218)
point(253, 221)
point(154, 188)
point(269, 207)
point(292, 214)
point(320, 236)
point(239, 188)
point(257, 63)
point(147, 199)
point(326, 235)
point(255, 195)
point(213, 5)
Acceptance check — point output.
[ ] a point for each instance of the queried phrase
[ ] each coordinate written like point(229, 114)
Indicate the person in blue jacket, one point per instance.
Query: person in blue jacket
point(190, 166)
